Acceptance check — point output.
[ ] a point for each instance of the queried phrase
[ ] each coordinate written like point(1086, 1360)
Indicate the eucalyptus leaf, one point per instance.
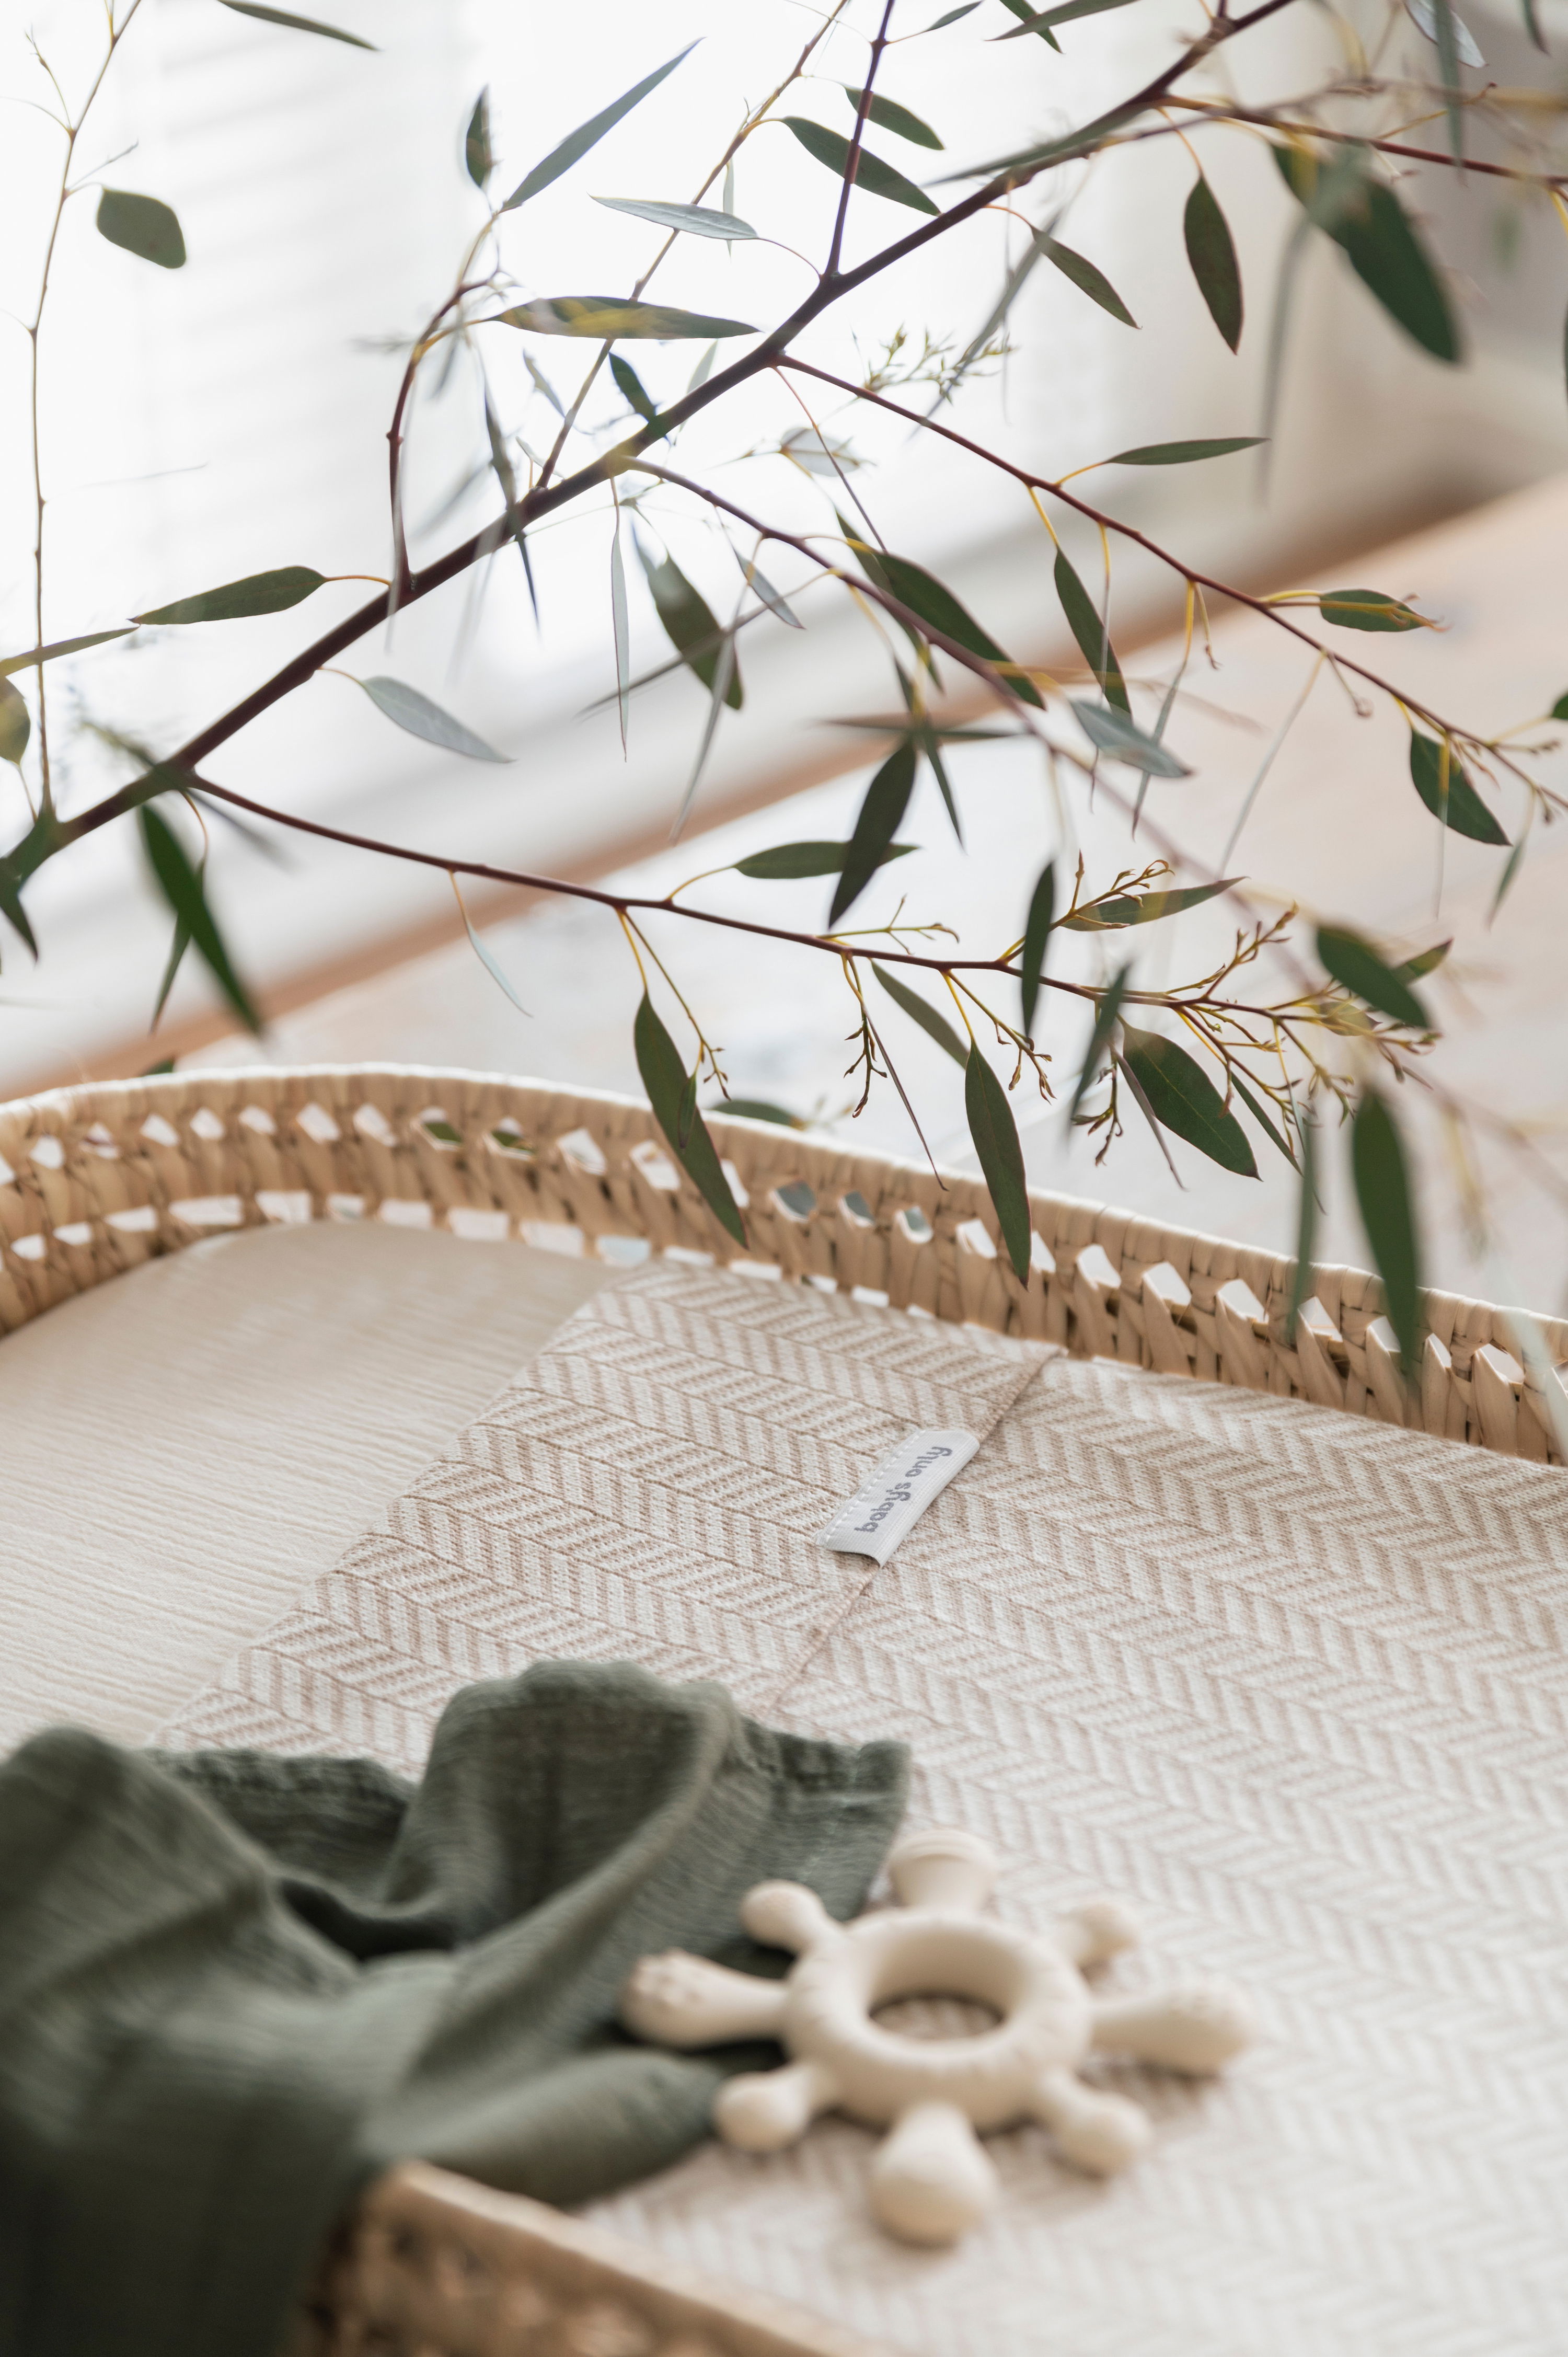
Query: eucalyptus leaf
point(831, 147)
point(936, 605)
point(1144, 907)
point(1425, 962)
point(478, 155)
point(1355, 965)
point(1306, 1221)
point(411, 710)
point(888, 116)
point(1045, 20)
point(665, 1079)
point(297, 24)
point(183, 888)
point(881, 815)
point(1086, 275)
point(689, 623)
point(995, 1135)
point(1114, 733)
point(10, 663)
point(1088, 628)
point(788, 862)
point(1106, 1015)
point(1263, 1119)
point(1182, 1096)
point(1422, 15)
point(608, 317)
point(697, 220)
point(1448, 793)
point(1211, 250)
point(490, 962)
point(805, 447)
point(756, 581)
point(257, 593)
point(1367, 221)
point(758, 1109)
point(1445, 32)
point(935, 1026)
point(143, 225)
point(577, 143)
point(1368, 610)
point(1558, 711)
point(1388, 1214)
point(1036, 939)
point(1184, 454)
point(630, 386)
point(1026, 15)
point(16, 722)
point(953, 15)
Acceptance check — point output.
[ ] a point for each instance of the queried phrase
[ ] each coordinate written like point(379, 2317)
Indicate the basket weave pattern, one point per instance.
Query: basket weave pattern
point(95, 1180)
point(105, 1177)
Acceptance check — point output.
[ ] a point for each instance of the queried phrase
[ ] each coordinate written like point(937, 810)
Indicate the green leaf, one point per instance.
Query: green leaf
point(488, 959)
point(1211, 250)
point(936, 1026)
point(787, 861)
point(756, 581)
point(1368, 610)
point(16, 722)
point(1263, 1118)
point(1086, 275)
point(1355, 965)
point(830, 148)
point(689, 622)
point(1065, 14)
point(10, 663)
point(182, 887)
point(1422, 17)
point(1367, 221)
point(1181, 1095)
point(1558, 711)
point(631, 388)
point(953, 16)
point(295, 24)
point(1105, 1018)
point(888, 116)
point(257, 593)
point(1532, 25)
point(477, 153)
point(1184, 454)
point(608, 317)
point(881, 814)
point(1306, 1221)
point(1388, 1215)
point(409, 709)
point(758, 1109)
point(143, 225)
point(1144, 907)
point(1447, 792)
point(936, 606)
point(1089, 629)
point(577, 143)
point(1445, 31)
point(177, 948)
point(1115, 735)
point(1425, 962)
point(1026, 14)
point(697, 220)
point(1037, 937)
point(665, 1080)
point(995, 1135)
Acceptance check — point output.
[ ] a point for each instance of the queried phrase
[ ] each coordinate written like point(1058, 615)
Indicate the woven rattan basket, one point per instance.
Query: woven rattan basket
point(95, 1180)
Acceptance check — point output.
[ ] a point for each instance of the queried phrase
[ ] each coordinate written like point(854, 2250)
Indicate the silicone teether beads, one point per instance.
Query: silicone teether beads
point(931, 2178)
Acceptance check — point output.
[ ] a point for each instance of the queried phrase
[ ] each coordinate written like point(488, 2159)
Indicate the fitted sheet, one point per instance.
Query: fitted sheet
point(184, 1447)
point(1291, 1682)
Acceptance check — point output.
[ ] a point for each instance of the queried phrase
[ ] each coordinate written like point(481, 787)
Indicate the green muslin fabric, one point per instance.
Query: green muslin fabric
point(233, 1986)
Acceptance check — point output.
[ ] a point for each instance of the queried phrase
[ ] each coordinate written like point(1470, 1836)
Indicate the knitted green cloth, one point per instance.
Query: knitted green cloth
point(233, 1988)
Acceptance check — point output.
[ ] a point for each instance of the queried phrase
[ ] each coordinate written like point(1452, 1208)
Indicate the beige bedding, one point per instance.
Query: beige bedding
point(1292, 1682)
point(183, 1448)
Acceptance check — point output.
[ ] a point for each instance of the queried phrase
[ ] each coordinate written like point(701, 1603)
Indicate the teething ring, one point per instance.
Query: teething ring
point(931, 2178)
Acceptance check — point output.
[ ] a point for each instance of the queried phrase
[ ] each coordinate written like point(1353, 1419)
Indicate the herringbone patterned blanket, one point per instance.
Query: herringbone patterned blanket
point(1292, 1682)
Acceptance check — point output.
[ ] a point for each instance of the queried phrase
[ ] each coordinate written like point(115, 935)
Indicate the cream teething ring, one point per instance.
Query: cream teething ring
point(931, 2178)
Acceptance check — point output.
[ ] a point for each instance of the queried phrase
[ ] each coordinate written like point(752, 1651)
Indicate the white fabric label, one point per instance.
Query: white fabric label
point(893, 1496)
